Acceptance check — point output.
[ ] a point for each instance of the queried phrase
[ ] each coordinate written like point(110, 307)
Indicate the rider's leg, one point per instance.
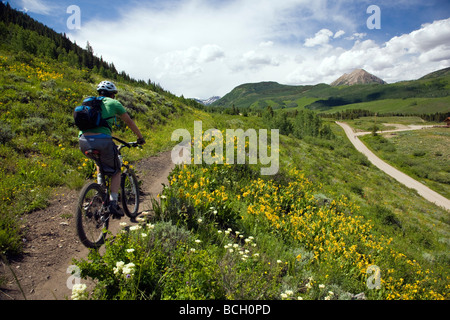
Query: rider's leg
point(115, 185)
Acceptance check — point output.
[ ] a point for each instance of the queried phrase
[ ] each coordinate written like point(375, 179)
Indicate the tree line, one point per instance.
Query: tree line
point(300, 124)
point(21, 33)
point(351, 114)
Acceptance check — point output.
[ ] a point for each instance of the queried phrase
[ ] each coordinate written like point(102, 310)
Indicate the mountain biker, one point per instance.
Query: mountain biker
point(100, 139)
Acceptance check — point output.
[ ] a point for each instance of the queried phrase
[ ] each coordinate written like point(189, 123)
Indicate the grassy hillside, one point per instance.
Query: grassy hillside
point(43, 77)
point(310, 232)
point(38, 141)
point(421, 154)
point(426, 95)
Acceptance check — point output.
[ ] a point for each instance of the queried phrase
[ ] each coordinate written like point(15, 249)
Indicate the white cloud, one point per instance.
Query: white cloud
point(210, 53)
point(339, 34)
point(266, 44)
point(357, 36)
point(401, 58)
point(36, 6)
point(322, 37)
point(254, 59)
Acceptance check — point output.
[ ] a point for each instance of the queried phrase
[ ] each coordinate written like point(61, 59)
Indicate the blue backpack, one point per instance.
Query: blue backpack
point(89, 114)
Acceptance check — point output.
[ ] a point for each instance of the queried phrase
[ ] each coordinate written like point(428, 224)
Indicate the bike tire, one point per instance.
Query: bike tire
point(129, 187)
point(91, 221)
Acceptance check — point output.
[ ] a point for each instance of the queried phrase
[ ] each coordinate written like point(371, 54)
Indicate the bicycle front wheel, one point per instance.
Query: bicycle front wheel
point(129, 196)
point(91, 219)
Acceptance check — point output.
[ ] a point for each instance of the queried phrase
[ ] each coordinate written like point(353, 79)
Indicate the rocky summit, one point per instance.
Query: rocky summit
point(359, 76)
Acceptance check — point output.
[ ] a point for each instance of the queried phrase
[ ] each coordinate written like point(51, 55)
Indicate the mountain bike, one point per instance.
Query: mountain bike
point(93, 215)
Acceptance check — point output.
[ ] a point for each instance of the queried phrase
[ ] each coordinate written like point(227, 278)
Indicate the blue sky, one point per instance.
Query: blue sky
point(201, 48)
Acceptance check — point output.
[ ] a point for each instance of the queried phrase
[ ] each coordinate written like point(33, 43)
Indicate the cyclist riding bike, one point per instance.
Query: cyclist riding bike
point(100, 139)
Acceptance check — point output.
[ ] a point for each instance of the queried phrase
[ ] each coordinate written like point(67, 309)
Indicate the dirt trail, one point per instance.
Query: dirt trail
point(423, 190)
point(51, 241)
point(400, 128)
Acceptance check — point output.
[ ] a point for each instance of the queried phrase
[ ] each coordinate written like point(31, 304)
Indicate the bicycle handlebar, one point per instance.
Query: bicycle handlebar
point(133, 144)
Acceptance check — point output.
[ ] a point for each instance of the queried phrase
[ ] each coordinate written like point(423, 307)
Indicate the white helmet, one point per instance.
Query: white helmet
point(107, 86)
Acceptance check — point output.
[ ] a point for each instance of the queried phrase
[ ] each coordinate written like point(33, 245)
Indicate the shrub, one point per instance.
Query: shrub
point(35, 125)
point(419, 153)
point(6, 133)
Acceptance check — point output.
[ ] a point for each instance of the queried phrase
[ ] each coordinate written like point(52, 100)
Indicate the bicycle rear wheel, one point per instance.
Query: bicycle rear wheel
point(129, 187)
point(91, 219)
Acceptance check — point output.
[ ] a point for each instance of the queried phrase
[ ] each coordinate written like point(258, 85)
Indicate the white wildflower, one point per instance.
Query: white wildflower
point(118, 268)
point(79, 292)
point(128, 269)
point(135, 228)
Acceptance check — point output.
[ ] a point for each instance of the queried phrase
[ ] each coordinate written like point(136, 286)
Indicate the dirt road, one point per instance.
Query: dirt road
point(423, 190)
point(400, 128)
point(51, 242)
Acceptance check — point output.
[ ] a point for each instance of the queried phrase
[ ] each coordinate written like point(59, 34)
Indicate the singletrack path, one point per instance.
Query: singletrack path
point(50, 240)
point(423, 190)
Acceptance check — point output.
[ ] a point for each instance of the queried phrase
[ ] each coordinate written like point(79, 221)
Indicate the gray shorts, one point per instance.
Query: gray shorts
point(108, 151)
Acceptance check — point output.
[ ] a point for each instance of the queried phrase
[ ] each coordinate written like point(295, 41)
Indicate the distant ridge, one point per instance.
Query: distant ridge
point(359, 76)
point(208, 101)
point(437, 74)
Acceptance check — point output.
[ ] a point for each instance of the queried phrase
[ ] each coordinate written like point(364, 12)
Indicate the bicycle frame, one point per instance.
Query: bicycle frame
point(94, 221)
point(95, 155)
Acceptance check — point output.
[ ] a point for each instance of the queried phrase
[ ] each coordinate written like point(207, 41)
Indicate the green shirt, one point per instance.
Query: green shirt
point(110, 108)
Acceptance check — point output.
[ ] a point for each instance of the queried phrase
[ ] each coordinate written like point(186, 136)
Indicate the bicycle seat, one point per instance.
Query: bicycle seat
point(92, 153)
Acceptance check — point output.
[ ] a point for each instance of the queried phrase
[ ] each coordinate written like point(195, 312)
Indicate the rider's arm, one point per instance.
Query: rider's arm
point(130, 123)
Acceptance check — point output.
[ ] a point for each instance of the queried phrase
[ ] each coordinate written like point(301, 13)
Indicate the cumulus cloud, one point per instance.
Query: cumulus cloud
point(322, 37)
point(339, 34)
point(210, 53)
point(201, 48)
point(356, 36)
point(254, 59)
point(397, 59)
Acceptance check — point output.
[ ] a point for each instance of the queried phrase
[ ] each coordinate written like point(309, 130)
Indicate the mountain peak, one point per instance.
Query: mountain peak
point(209, 101)
point(358, 76)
